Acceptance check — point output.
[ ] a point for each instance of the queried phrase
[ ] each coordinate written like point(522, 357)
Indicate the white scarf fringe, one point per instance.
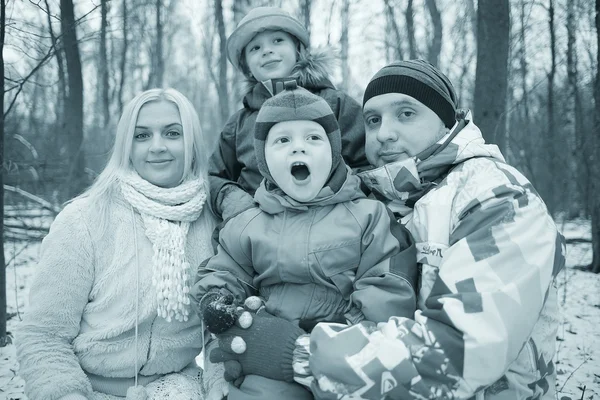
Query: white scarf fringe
point(167, 214)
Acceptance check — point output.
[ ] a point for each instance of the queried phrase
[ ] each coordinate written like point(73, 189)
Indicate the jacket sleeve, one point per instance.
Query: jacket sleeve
point(231, 267)
point(492, 284)
point(59, 293)
point(223, 166)
point(352, 129)
point(386, 277)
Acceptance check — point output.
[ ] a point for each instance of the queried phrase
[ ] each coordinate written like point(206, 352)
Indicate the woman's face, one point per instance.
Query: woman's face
point(157, 151)
point(271, 55)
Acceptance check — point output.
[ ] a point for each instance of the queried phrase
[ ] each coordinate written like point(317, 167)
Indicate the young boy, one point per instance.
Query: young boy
point(269, 47)
point(316, 249)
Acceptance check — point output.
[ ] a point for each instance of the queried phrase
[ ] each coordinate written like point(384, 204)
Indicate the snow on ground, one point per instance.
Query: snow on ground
point(577, 359)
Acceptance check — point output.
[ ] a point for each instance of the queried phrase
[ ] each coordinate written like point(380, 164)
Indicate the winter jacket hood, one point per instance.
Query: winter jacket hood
point(274, 200)
point(312, 73)
point(403, 183)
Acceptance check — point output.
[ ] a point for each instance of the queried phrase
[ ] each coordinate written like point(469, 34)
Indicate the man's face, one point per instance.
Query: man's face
point(399, 127)
point(298, 155)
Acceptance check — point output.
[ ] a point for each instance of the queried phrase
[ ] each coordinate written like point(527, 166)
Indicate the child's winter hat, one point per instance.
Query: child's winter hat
point(418, 79)
point(295, 104)
point(261, 19)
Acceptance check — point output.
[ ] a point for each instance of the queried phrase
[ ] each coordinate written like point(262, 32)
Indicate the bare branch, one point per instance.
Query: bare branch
point(44, 203)
point(42, 62)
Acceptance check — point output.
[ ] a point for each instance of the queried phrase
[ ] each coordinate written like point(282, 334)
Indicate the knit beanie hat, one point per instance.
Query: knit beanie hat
point(295, 104)
point(418, 79)
point(261, 19)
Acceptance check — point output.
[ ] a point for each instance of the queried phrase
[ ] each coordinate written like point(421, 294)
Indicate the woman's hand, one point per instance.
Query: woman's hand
point(265, 347)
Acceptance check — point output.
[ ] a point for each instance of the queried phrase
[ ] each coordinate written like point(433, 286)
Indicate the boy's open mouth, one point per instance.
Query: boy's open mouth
point(300, 171)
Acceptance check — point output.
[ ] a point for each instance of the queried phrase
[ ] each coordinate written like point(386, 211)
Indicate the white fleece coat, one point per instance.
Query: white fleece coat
point(82, 311)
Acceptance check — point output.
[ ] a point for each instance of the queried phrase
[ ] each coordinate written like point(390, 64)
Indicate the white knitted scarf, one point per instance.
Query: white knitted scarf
point(167, 214)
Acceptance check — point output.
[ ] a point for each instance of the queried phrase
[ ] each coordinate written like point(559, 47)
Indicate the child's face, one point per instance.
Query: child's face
point(271, 54)
point(298, 155)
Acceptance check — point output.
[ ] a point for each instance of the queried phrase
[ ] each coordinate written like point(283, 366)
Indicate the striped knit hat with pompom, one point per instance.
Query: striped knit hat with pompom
point(296, 104)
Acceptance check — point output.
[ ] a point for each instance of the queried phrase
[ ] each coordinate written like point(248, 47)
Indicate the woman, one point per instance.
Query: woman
point(109, 313)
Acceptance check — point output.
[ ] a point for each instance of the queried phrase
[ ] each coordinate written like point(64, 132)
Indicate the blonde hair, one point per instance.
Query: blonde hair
point(196, 149)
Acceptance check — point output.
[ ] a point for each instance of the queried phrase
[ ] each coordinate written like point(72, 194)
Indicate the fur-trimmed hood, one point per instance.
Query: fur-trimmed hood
point(312, 71)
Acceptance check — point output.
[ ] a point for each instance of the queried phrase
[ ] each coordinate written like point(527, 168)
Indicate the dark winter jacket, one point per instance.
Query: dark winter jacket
point(233, 160)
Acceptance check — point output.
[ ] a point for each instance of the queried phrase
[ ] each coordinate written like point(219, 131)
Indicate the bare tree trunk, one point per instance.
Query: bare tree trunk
point(222, 87)
point(473, 14)
point(397, 46)
point(435, 47)
point(240, 8)
point(575, 131)
point(305, 11)
point(160, 62)
point(491, 76)
point(74, 118)
point(410, 29)
point(62, 78)
point(103, 67)
point(551, 187)
point(464, 54)
point(523, 64)
point(123, 61)
point(345, 17)
point(595, 267)
point(390, 52)
point(4, 338)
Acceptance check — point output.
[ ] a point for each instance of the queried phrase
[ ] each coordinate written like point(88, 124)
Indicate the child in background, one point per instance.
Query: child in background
point(315, 249)
point(270, 47)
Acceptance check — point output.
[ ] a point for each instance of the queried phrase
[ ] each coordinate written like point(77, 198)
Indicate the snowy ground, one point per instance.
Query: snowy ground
point(578, 341)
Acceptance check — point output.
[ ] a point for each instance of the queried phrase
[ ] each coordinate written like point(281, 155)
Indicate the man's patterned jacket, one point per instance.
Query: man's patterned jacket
point(487, 316)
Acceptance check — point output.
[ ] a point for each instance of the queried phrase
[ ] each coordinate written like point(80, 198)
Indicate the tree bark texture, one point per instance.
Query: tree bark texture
point(62, 77)
point(74, 118)
point(551, 140)
point(410, 29)
point(159, 71)
point(345, 17)
point(573, 129)
point(4, 339)
point(239, 8)
point(595, 267)
point(103, 67)
point(123, 60)
point(305, 11)
point(396, 45)
point(435, 47)
point(222, 87)
point(491, 76)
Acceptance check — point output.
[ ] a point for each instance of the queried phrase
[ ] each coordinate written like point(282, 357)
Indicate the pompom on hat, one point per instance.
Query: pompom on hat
point(418, 79)
point(262, 19)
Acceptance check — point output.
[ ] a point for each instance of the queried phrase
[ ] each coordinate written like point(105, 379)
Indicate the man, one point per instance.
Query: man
point(486, 322)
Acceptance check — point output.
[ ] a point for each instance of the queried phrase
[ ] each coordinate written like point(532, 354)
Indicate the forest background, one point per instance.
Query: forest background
point(528, 69)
